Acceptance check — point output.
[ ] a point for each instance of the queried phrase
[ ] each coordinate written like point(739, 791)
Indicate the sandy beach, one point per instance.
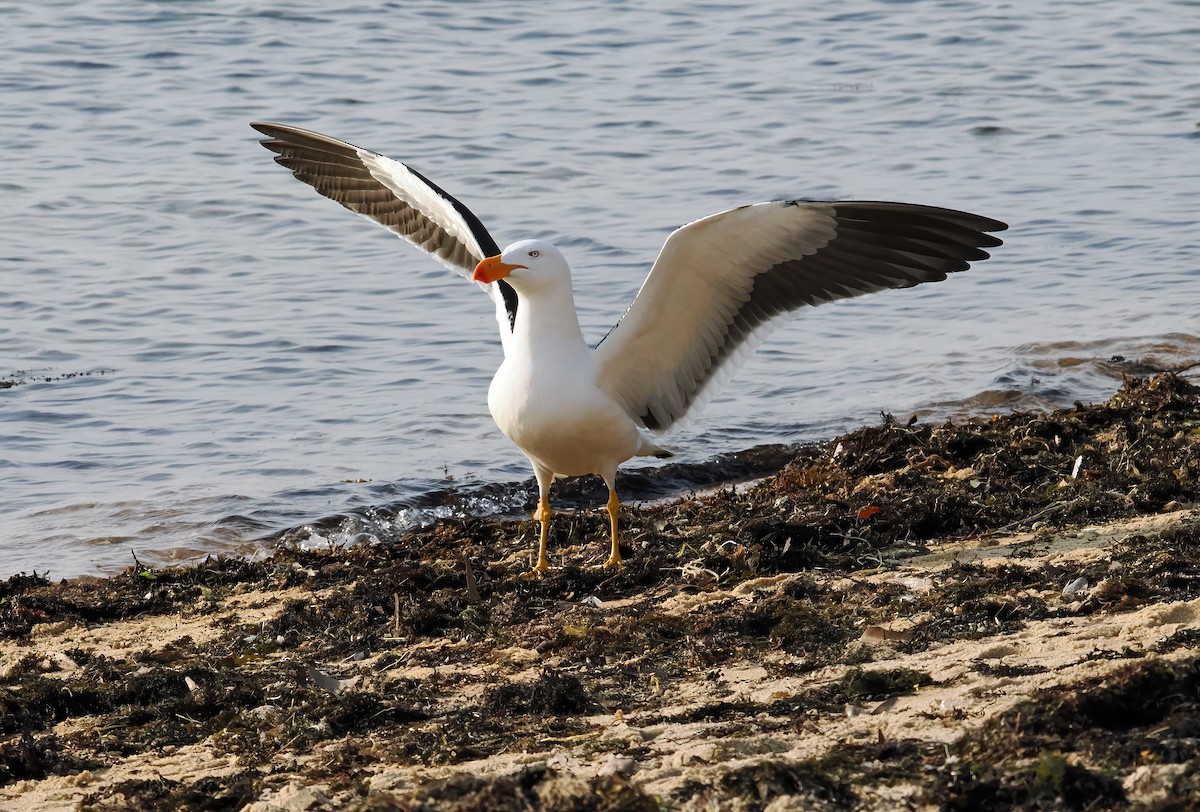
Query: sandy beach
point(994, 614)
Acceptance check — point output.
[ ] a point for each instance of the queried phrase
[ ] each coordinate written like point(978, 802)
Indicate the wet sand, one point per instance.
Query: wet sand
point(1002, 613)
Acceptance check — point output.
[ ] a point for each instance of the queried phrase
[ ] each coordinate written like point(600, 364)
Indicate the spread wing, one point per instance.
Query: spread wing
point(722, 283)
point(396, 197)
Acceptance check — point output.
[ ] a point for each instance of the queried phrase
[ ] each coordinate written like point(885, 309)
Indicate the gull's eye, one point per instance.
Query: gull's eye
point(535, 253)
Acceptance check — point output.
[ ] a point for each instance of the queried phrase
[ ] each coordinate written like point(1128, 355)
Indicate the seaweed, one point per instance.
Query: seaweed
point(388, 656)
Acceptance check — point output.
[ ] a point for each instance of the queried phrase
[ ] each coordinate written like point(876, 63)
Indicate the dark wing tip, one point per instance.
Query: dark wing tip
point(273, 130)
point(915, 212)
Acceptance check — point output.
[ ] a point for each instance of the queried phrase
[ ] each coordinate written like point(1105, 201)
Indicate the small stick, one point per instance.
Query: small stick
point(396, 614)
point(472, 589)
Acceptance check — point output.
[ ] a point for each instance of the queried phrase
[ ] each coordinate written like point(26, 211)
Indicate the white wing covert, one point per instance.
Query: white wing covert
point(722, 283)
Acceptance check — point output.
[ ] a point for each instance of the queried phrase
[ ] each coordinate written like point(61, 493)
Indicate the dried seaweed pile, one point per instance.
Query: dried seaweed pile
point(881, 489)
point(403, 655)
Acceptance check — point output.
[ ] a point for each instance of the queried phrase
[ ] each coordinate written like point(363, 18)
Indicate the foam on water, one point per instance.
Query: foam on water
point(209, 353)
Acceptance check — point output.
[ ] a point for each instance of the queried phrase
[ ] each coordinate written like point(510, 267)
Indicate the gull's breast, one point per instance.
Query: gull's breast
point(560, 419)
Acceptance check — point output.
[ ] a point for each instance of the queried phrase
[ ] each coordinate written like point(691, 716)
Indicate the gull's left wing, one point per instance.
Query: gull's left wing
point(720, 284)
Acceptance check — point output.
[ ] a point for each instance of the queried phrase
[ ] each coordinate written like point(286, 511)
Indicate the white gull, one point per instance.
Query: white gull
point(719, 286)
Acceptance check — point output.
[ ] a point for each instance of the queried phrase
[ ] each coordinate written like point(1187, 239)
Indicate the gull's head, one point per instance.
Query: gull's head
point(526, 265)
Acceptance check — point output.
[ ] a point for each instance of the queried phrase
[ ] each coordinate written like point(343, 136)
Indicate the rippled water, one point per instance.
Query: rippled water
point(207, 352)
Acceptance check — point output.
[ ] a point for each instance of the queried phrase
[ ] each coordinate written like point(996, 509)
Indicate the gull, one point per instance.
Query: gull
point(720, 284)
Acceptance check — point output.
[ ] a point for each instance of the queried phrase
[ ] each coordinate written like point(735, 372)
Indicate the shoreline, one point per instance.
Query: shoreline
point(939, 616)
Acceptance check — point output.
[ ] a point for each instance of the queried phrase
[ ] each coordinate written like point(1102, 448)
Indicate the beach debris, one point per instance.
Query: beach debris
point(292, 797)
point(884, 706)
point(1153, 785)
point(694, 572)
point(913, 583)
point(1080, 584)
point(618, 764)
point(472, 588)
point(882, 634)
point(330, 683)
point(948, 706)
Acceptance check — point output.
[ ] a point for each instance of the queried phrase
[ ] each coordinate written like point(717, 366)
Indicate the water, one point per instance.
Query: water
point(208, 352)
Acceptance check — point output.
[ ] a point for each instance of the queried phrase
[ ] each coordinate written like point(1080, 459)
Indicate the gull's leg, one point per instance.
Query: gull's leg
point(542, 514)
point(614, 504)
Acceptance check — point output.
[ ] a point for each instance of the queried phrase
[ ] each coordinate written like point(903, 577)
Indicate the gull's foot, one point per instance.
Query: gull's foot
point(539, 571)
point(614, 563)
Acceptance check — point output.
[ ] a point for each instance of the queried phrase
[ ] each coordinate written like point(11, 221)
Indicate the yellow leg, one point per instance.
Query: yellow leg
point(614, 558)
point(542, 514)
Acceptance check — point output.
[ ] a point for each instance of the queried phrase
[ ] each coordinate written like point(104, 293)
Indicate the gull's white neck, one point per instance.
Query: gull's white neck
point(547, 323)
